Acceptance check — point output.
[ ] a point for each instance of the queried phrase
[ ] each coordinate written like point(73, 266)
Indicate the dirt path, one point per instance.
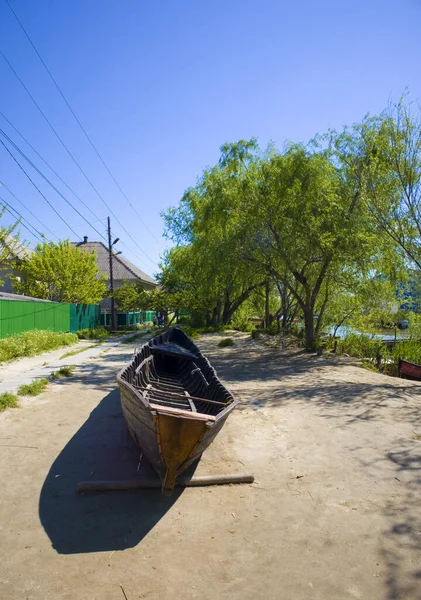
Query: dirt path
point(25, 370)
point(334, 513)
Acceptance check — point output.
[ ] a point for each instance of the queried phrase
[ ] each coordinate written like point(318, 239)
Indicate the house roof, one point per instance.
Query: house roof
point(16, 248)
point(122, 268)
point(7, 296)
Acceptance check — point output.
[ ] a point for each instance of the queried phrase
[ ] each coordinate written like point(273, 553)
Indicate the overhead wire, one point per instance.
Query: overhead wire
point(10, 208)
point(62, 180)
point(2, 184)
point(78, 121)
point(72, 157)
point(37, 188)
point(48, 165)
point(25, 157)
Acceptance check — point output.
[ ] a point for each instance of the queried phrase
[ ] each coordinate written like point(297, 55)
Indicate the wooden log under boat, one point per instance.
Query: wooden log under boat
point(173, 403)
point(409, 370)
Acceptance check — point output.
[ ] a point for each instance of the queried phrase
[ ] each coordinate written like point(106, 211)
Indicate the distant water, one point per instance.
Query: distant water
point(343, 331)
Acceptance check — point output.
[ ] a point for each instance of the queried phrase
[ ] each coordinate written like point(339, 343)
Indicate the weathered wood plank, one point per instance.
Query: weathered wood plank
point(141, 484)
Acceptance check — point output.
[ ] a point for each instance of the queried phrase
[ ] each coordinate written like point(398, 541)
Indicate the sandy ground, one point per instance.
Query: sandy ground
point(335, 512)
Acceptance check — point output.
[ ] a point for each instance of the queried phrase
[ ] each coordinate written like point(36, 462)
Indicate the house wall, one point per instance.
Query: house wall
point(6, 284)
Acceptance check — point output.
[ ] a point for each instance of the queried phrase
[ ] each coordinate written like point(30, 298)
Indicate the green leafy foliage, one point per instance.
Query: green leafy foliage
point(30, 343)
point(326, 231)
point(63, 372)
point(61, 272)
point(98, 333)
point(9, 241)
point(8, 400)
point(33, 389)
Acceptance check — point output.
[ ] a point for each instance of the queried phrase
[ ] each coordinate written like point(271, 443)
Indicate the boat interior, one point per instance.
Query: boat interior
point(171, 375)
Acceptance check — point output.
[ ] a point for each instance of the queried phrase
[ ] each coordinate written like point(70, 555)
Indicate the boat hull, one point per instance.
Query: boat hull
point(171, 438)
point(409, 370)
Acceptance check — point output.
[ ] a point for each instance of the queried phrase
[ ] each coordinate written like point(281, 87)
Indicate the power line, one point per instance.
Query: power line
point(2, 184)
point(10, 208)
point(71, 155)
point(36, 187)
point(78, 121)
point(62, 180)
point(47, 180)
point(47, 164)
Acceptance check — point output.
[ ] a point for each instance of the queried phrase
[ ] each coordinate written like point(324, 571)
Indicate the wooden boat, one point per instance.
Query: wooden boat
point(409, 370)
point(173, 403)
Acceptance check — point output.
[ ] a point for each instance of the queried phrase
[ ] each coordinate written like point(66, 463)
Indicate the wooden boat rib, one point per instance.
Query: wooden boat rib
point(173, 403)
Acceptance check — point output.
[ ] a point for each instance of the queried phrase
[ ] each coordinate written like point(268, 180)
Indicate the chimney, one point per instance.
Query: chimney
point(85, 239)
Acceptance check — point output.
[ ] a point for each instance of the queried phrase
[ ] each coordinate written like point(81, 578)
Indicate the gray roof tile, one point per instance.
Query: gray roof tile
point(122, 268)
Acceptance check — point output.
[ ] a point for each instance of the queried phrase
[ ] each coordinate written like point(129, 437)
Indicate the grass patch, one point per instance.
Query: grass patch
point(8, 400)
point(63, 372)
point(33, 389)
point(225, 342)
point(31, 343)
point(74, 352)
point(99, 333)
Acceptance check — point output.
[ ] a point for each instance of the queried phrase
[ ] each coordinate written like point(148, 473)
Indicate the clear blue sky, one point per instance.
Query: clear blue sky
point(160, 86)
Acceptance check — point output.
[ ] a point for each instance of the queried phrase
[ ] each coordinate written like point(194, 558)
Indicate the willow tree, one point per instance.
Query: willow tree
point(305, 219)
point(209, 254)
point(389, 149)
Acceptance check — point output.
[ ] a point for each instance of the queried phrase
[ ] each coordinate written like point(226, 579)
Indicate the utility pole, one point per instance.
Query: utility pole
point(110, 252)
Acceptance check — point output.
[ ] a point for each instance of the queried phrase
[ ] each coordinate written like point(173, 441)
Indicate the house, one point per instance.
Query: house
point(16, 252)
point(123, 271)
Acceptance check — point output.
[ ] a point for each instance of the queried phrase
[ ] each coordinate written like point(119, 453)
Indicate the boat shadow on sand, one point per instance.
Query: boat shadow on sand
point(95, 522)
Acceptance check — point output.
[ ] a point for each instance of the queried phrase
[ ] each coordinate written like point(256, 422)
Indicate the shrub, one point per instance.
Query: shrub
point(98, 333)
point(33, 389)
point(63, 372)
point(409, 350)
point(30, 343)
point(225, 342)
point(8, 400)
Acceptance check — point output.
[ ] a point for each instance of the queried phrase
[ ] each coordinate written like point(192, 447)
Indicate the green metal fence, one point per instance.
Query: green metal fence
point(17, 316)
point(84, 316)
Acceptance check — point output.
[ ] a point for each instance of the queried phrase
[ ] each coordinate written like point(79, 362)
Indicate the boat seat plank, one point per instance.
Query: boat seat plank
point(172, 349)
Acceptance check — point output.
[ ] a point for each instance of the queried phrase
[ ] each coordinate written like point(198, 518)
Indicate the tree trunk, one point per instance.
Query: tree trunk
point(267, 311)
point(216, 315)
point(309, 326)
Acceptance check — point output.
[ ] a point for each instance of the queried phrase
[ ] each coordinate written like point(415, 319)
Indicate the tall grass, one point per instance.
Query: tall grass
point(8, 400)
point(63, 372)
point(99, 333)
point(409, 350)
point(377, 354)
point(33, 389)
point(362, 346)
point(30, 343)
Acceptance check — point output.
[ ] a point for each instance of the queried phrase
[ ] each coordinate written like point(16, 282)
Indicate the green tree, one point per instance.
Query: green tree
point(307, 225)
point(9, 241)
point(61, 272)
point(389, 147)
point(130, 296)
point(213, 276)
